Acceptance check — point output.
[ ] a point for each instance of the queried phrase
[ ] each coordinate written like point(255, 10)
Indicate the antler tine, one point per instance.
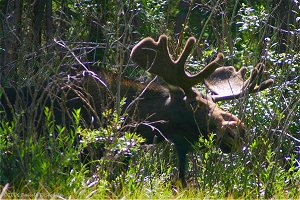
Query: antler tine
point(153, 56)
point(255, 83)
point(186, 52)
point(207, 71)
point(163, 63)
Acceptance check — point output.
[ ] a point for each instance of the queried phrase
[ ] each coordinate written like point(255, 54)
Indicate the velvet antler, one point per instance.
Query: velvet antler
point(227, 83)
point(155, 57)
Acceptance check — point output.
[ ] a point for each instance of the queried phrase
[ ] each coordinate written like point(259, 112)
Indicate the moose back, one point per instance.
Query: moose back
point(177, 113)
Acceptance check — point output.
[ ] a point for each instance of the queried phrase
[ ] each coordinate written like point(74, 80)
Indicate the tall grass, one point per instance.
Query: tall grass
point(54, 167)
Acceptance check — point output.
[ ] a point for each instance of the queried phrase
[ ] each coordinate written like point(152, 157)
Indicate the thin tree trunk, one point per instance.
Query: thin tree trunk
point(37, 18)
point(49, 22)
point(12, 35)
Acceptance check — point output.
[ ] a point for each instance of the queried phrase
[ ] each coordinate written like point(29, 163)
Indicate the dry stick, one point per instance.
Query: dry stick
point(283, 132)
point(121, 62)
point(208, 19)
point(180, 39)
point(233, 12)
point(270, 15)
point(270, 129)
point(227, 35)
point(62, 44)
point(4, 190)
point(7, 100)
point(292, 111)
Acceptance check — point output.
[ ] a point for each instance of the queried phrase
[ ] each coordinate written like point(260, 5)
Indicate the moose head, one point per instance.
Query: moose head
point(193, 112)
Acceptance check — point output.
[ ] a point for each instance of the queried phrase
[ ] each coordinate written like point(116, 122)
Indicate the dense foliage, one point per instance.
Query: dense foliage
point(37, 38)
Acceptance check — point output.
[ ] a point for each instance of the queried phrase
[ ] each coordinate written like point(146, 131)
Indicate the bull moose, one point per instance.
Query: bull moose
point(174, 110)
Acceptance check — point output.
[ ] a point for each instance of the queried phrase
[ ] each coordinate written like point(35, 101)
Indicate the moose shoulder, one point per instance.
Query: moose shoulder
point(180, 114)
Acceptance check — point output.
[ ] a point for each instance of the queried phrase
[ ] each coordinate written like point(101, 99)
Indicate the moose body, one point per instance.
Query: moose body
point(179, 113)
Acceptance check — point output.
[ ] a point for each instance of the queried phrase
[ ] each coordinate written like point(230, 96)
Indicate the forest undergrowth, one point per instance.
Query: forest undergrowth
point(52, 160)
